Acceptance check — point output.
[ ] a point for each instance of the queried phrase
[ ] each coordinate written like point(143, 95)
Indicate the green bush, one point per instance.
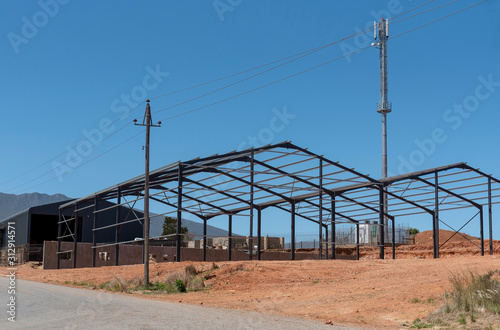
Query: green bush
point(413, 231)
point(181, 287)
point(419, 324)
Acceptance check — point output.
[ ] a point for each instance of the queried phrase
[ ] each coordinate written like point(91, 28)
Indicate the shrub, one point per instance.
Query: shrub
point(472, 293)
point(191, 270)
point(180, 286)
point(419, 324)
point(191, 282)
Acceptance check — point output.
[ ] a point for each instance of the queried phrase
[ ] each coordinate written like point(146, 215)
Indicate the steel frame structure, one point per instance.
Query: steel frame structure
point(294, 180)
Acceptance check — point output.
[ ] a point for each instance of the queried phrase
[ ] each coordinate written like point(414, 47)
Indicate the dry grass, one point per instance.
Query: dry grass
point(472, 303)
point(172, 283)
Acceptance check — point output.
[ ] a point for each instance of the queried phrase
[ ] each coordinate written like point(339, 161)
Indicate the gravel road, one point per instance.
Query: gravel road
point(47, 306)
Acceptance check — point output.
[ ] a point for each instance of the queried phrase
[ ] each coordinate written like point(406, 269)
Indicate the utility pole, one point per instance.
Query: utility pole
point(148, 122)
point(381, 31)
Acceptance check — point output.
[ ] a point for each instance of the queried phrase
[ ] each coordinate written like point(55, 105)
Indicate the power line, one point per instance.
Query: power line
point(305, 53)
point(315, 67)
point(426, 11)
point(252, 90)
point(301, 54)
point(90, 160)
point(266, 85)
point(294, 57)
point(63, 164)
point(74, 146)
point(408, 11)
point(439, 19)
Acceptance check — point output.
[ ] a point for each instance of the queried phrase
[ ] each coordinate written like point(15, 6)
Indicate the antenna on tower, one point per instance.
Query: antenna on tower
point(384, 107)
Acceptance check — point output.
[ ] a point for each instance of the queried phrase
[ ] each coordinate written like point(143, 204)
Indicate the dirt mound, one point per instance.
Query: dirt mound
point(425, 237)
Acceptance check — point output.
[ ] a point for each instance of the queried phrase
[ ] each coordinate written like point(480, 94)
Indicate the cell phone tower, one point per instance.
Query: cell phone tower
point(381, 32)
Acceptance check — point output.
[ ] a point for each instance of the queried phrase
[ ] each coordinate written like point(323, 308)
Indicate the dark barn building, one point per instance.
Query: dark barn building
point(40, 223)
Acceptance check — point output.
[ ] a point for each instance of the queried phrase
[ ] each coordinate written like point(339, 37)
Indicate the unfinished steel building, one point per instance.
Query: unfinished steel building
point(300, 183)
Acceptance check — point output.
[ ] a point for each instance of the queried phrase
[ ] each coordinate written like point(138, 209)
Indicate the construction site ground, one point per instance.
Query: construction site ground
point(369, 293)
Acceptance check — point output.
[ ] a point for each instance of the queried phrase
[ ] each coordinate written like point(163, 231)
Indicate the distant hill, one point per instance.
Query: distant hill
point(11, 204)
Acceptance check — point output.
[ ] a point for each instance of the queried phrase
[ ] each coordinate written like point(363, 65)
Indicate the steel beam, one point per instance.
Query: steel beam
point(393, 239)
point(357, 241)
point(481, 230)
point(94, 233)
point(290, 175)
point(326, 241)
point(201, 202)
point(175, 206)
point(59, 233)
point(217, 191)
point(292, 238)
point(117, 228)
point(230, 234)
point(283, 197)
point(333, 227)
point(204, 239)
point(259, 232)
point(366, 206)
point(252, 178)
point(381, 222)
point(436, 215)
point(336, 164)
point(321, 212)
point(76, 231)
point(450, 192)
point(179, 214)
point(490, 216)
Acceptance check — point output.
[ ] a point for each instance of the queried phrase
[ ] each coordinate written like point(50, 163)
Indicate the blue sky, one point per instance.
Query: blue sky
point(68, 67)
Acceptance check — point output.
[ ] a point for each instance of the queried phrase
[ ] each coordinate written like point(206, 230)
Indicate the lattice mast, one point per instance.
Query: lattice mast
point(381, 32)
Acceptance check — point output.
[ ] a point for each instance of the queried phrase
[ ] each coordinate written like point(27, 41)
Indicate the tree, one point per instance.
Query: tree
point(413, 231)
point(170, 227)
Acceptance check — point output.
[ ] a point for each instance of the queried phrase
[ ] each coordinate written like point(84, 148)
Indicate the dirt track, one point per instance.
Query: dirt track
point(367, 293)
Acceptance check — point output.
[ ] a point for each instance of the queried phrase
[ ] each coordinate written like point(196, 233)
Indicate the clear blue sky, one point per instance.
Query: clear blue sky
point(68, 66)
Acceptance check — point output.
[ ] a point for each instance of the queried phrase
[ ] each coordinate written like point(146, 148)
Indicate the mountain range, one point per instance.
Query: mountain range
point(11, 204)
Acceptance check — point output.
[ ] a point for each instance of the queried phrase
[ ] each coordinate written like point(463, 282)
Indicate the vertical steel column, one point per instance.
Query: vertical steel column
point(94, 232)
point(481, 228)
point(490, 216)
point(230, 239)
point(321, 210)
point(326, 240)
point(434, 234)
point(59, 234)
point(179, 215)
point(259, 222)
point(333, 227)
point(436, 216)
point(381, 221)
point(393, 238)
point(75, 233)
point(204, 239)
point(250, 250)
point(292, 238)
point(357, 241)
point(117, 231)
